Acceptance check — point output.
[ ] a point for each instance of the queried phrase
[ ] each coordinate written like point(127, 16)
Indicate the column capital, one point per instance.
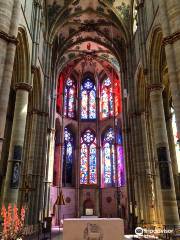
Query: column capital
point(155, 87)
point(171, 38)
point(23, 86)
point(8, 38)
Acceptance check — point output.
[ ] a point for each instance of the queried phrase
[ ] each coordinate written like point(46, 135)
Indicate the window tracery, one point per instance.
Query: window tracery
point(88, 171)
point(88, 100)
point(70, 98)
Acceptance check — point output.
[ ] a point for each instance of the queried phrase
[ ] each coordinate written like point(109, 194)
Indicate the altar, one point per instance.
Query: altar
point(93, 229)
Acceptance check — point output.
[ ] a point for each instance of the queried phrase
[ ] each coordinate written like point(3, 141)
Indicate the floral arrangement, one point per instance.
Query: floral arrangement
point(13, 222)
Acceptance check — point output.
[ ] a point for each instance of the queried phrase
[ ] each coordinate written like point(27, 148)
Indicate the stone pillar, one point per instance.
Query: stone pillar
point(11, 187)
point(164, 161)
point(170, 19)
point(142, 169)
point(9, 18)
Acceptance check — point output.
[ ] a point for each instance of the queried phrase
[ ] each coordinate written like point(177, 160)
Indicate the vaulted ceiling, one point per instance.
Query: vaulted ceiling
point(89, 35)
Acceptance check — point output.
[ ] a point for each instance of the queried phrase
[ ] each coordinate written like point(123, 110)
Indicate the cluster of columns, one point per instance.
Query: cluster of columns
point(144, 173)
point(11, 186)
point(170, 19)
point(9, 20)
point(164, 164)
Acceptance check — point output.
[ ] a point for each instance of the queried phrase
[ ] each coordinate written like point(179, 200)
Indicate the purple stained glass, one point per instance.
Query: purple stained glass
point(65, 101)
point(121, 168)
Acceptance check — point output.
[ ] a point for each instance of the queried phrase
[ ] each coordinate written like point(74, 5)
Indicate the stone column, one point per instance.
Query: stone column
point(11, 187)
point(9, 19)
point(164, 161)
point(170, 19)
point(141, 167)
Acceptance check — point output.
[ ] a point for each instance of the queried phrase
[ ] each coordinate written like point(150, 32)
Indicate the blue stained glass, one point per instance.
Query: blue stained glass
point(67, 156)
point(88, 172)
point(88, 137)
point(88, 100)
point(88, 84)
point(107, 82)
point(109, 135)
point(119, 138)
point(92, 165)
point(84, 164)
point(107, 164)
point(92, 104)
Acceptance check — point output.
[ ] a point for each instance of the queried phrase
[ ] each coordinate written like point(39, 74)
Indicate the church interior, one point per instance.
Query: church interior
point(90, 111)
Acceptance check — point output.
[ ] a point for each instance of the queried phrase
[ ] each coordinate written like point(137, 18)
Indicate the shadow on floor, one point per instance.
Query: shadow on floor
point(55, 235)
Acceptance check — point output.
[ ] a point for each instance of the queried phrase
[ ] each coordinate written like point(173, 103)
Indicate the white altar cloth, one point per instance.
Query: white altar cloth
point(93, 229)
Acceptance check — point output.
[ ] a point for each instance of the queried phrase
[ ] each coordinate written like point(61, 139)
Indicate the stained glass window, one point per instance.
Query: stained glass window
point(109, 156)
point(110, 104)
point(106, 101)
point(120, 160)
point(88, 102)
point(69, 98)
point(88, 172)
point(68, 156)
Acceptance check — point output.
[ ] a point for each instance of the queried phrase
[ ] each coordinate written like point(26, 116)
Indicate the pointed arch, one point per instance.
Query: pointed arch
point(154, 57)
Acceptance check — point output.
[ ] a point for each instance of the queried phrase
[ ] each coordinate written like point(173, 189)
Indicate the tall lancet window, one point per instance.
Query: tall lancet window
point(108, 158)
point(88, 100)
point(68, 157)
point(112, 163)
point(120, 160)
point(106, 100)
point(70, 99)
point(88, 169)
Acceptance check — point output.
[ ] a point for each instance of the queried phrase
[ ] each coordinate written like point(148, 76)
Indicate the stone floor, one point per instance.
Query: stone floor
point(56, 235)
